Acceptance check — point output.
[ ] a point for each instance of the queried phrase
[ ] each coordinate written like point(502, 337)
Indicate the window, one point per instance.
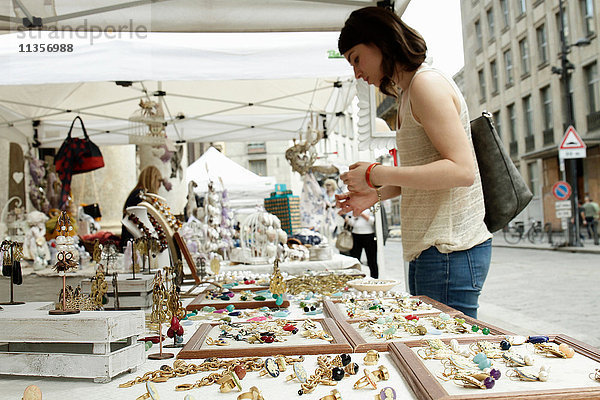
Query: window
point(528, 116)
point(478, 35)
point(532, 172)
point(521, 7)
point(512, 120)
point(546, 98)
point(494, 73)
point(498, 122)
point(259, 167)
point(505, 13)
point(508, 67)
point(542, 44)
point(490, 20)
point(587, 16)
point(593, 92)
point(257, 148)
point(482, 88)
point(524, 49)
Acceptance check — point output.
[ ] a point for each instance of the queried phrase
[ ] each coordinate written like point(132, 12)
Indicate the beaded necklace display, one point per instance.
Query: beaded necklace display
point(165, 211)
point(140, 225)
point(162, 237)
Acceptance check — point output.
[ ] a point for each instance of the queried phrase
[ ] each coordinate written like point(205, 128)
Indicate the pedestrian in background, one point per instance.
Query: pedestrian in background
point(444, 237)
point(591, 212)
point(363, 237)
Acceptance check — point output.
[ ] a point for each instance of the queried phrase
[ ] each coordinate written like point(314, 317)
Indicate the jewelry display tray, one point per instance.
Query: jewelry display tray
point(91, 344)
point(568, 378)
point(335, 309)
point(296, 345)
point(200, 301)
point(361, 342)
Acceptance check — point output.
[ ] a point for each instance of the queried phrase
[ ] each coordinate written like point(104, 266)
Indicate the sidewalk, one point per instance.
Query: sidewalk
point(588, 247)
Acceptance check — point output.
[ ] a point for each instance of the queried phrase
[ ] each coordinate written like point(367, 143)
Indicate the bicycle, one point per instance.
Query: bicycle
point(513, 233)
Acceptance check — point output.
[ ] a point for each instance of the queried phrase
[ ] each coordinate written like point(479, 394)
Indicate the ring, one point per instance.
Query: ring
point(368, 379)
point(387, 393)
point(271, 368)
point(253, 394)
point(381, 373)
point(189, 397)
point(229, 382)
point(150, 392)
point(335, 395)
point(299, 373)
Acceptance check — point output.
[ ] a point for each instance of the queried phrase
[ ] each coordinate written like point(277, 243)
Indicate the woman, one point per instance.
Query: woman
point(149, 181)
point(363, 237)
point(444, 237)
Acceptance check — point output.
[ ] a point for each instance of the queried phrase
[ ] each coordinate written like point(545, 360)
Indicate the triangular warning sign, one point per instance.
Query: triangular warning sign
point(571, 140)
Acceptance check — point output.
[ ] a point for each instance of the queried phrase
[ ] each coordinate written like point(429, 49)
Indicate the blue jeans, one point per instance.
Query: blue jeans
point(454, 279)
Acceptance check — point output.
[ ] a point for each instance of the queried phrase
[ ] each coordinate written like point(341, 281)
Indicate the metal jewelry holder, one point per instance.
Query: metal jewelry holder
point(9, 246)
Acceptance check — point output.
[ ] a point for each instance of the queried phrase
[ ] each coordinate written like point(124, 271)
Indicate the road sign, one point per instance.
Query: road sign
point(571, 146)
point(563, 213)
point(561, 190)
point(564, 224)
point(562, 205)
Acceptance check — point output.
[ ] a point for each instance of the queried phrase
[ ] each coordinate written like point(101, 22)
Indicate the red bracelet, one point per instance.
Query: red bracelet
point(368, 175)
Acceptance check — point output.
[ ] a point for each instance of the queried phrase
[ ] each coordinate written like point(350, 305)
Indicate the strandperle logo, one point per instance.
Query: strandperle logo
point(85, 31)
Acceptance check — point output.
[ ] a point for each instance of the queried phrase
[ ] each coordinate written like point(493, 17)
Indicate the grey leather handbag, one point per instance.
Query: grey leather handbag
point(505, 193)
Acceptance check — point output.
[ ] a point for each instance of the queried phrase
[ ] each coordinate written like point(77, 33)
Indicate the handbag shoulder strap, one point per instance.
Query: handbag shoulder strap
point(82, 127)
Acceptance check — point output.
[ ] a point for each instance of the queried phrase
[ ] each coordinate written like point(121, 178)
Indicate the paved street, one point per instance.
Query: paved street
point(531, 291)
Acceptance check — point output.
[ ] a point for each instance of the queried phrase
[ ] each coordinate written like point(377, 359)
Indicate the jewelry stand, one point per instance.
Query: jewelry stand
point(64, 310)
point(160, 355)
point(141, 213)
point(133, 257)
point(12, 301)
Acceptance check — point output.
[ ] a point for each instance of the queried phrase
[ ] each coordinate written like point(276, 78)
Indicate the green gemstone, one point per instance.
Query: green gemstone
point(243, 298)
point(474, 328)
point(485, 331)
point(260, 298)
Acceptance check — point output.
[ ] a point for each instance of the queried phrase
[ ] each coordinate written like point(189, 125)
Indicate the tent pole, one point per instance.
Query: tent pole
point(100, 10)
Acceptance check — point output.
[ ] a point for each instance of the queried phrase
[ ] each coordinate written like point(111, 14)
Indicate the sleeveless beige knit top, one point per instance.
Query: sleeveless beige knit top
point(449, 219)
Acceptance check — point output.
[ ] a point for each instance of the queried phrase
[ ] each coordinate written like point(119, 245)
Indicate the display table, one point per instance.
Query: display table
point(337, 262)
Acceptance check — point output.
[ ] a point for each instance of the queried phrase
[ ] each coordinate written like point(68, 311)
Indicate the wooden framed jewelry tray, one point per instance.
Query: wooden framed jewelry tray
point(336, 309)
point(568, 377)
point(201, 301)
point(198, 346)
point(362, 340)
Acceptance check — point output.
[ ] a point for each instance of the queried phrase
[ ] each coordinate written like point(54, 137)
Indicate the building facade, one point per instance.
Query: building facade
point(512, 69)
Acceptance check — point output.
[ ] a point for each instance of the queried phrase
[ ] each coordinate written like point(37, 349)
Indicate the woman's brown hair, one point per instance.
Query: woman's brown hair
point(399, 43)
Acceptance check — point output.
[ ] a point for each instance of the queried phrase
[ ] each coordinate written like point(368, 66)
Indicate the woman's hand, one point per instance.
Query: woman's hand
point(355, 202)
point(355, 177)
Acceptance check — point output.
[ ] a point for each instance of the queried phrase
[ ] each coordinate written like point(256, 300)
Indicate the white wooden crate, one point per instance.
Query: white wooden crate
point(132, 293)
point(92, 344)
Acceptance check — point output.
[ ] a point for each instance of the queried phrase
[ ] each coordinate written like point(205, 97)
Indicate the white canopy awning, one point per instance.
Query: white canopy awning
point(184, 15)
point(228, 86)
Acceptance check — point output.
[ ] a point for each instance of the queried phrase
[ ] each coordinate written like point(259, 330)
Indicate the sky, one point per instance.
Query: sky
point(440, 24)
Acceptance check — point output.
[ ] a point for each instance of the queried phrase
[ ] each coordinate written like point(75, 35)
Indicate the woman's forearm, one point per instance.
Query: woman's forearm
point(441, 174)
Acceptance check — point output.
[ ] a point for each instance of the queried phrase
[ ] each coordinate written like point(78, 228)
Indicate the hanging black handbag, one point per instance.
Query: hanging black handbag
point(505, 193)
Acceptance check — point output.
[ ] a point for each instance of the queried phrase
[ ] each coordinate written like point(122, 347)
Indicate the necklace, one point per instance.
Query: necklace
point(165, 211)
point(162, 237)
point(140, 225)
